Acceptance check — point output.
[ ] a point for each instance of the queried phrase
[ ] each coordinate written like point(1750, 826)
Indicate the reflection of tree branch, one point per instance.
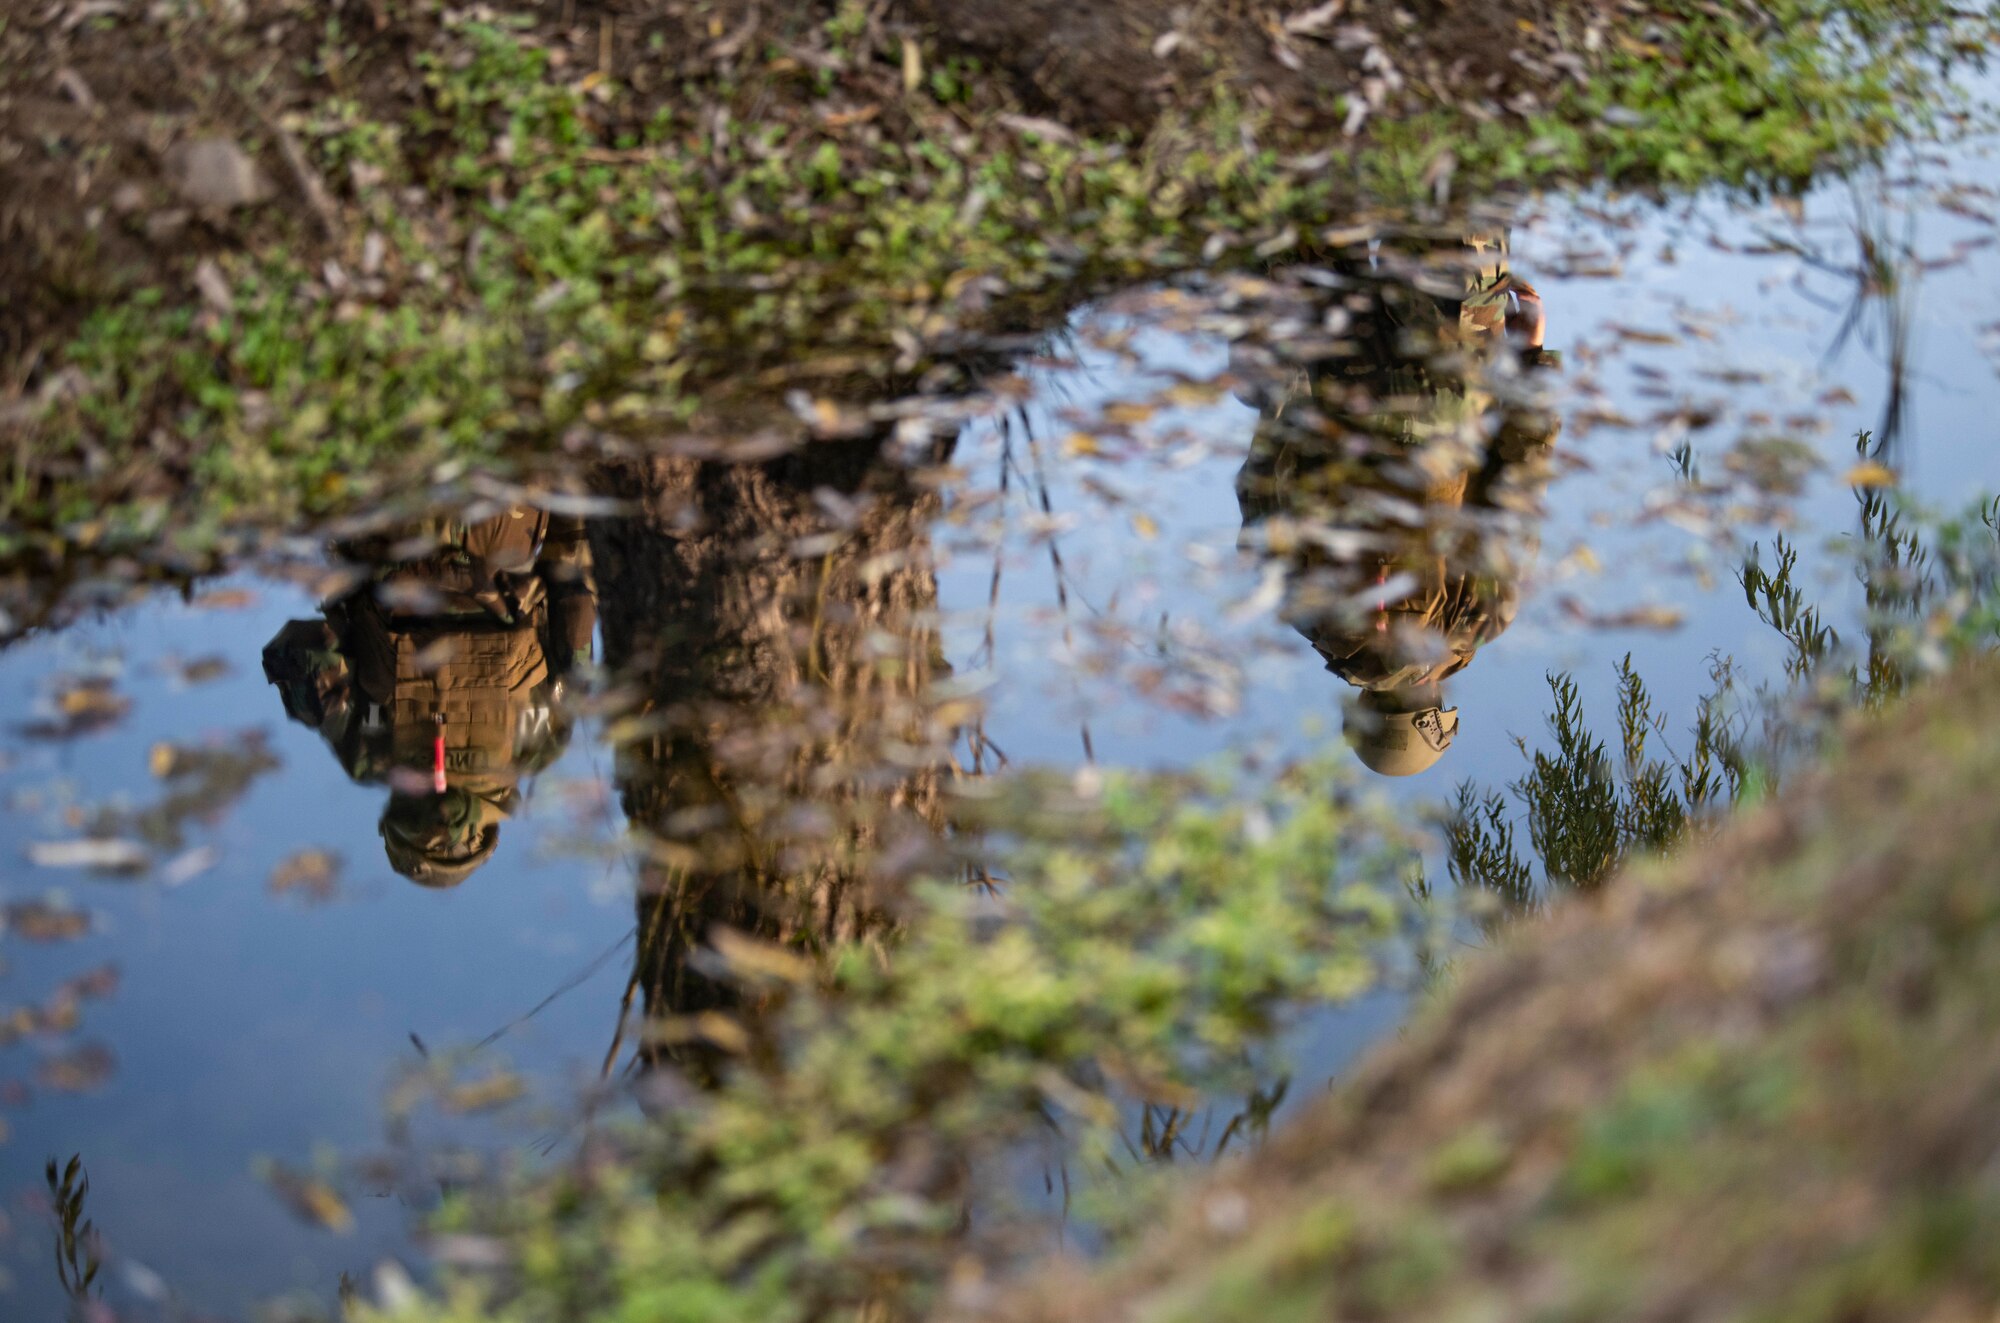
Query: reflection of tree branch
point(1061, 578)
point(1883, 274)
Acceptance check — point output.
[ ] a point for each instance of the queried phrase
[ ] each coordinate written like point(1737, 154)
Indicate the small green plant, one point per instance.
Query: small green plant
point(1779, 602)
point(1150, 938)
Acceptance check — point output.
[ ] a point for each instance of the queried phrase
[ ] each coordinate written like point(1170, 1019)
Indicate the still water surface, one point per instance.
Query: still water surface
point(1075, 585)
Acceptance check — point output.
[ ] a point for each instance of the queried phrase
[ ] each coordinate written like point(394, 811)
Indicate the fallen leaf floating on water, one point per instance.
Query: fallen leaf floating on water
point(80, 707)
point(311, 1199)
point(483, 1094)
point(62, 1012)
point(188, 865)
point(106, 854)
point(92, 984)
point(45, 921)
point(710, 1027)
point(1641, 335)
point(748, 957)
point(468, 1251)
point(1651, 616)
point(1128, 413)
point(145, 1283)
point(313, 874)
point(197, 670)
point(60, 1016)
point(225, 599)
point(84, 1070)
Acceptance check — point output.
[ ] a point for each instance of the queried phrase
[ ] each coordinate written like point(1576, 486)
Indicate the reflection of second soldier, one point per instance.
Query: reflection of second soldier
point(1395, 479)
point(442, 676)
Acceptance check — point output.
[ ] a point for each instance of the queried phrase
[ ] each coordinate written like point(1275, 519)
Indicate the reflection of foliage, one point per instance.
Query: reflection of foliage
point(1151, 935)
point(1931, 591)
point(1254, 1119)
point(1930, 588)
point(1587, 813)
point(199, 783)
point(1766, 1093)
point(78, 1255)
point(1779, 603)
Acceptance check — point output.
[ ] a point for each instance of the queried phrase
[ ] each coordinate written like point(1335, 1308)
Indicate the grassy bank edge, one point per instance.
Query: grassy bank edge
point(1755, 1082)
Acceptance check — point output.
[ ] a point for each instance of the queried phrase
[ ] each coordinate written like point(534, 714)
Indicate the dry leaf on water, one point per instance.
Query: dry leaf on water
point(313, 874)
point(311, 1199)
point(83, 1070)
point(45, 921)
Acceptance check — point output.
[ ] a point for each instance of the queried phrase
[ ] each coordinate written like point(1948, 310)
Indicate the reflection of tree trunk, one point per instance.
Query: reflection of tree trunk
point(778, 619)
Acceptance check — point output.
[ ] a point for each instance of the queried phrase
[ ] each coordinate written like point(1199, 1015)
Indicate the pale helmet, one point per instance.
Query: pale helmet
point(1396, 741)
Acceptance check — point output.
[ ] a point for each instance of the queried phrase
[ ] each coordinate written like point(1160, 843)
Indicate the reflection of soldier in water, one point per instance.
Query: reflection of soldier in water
point(1393, 478)
point(777, 620)
point(442, 675)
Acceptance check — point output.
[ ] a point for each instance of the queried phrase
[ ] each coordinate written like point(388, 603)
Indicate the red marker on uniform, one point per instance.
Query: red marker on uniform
point(437, 757)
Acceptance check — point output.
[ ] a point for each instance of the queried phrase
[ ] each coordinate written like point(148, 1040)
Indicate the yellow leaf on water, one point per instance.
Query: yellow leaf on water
point(1128, 413)
point(1081, 443)
point(746, 955)
point(312, 874)
point(495, 1090)
point(1193, 394)
point(1145, 526)
point(311, 1198)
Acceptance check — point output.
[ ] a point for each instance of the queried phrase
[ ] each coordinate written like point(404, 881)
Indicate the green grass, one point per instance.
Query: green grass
point(573, 265)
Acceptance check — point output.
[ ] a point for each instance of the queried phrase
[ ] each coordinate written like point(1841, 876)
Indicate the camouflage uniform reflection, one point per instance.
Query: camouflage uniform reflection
point(783, 658)
point(442, 677)
point(1397, 479)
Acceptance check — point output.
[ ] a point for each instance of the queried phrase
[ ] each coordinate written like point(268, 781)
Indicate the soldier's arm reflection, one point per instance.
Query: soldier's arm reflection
point(1396, 481)
point(441, 676)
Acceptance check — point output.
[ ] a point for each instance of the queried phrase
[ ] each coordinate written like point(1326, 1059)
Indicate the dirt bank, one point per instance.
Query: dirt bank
point(1762, 1082)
